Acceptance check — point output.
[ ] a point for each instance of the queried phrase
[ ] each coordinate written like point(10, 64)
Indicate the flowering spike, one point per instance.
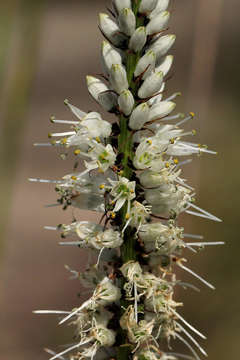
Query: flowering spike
point(132, 176)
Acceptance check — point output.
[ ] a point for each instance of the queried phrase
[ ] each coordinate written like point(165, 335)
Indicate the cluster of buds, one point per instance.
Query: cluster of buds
point(132, 177)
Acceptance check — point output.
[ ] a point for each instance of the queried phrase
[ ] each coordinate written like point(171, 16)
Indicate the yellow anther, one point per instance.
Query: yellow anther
point(100, 171)
point(176, 161)
point(74, 178)
point(192, 114)
point(102, 186)
point(98, 139)
point(167, 165)
point(53, 142)
point(194, 132)
point(49, 135)
point(149, 142)
point(199, 145)
point(77, 152)
point(132, 191)
point(102, 156)
point(172, 141)
point(113, 215)
point(120, 173)
point(63, 141)
point(127, 217)
point(52, 118)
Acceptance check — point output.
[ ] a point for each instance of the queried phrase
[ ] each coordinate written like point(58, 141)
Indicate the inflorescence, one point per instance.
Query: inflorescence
point(131, 176)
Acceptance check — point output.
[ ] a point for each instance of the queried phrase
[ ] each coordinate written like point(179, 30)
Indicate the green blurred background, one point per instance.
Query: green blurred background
point(47, 48)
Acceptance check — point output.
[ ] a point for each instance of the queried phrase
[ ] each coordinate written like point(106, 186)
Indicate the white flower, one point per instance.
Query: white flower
point(104, 336)
point(168, 199)
point(131, 270)
point(139, 214)
point(158, 23)
point(138, 39)
point(122, 191)
point(103, 157)
point(153, 179)
point(161, 238)
point(101, 93)
point(106, 293)
point(151, 85)
point(127, 21)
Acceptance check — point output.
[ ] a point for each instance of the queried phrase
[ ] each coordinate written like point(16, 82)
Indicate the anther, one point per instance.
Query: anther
point(77, 152)
point(176, 161)
point(102, 186)
point(52, 119)
point(74, 178)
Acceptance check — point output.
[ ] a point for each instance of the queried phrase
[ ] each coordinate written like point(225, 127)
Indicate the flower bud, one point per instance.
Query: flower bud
point(139, 116)
point(101, 93)
point(127, 21)
point(158, 23)
point(131, 270)
point(122, 4)
point(118, 78)
point(105, 336)
point(145, 65)
point(161, 110)
point(138, 39)
point(106, 293)
point(165, 65)
point(162, 5)
point(163, 44)
point(146, 6)
point(110, 56)
point(111, 30)
point(152, 84)
point(126, 102)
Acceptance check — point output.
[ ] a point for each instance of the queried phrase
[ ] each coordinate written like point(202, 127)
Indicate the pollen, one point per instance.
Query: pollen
point(98, 139)
point(112, 215)
point(176, 161)
point(49, 135)
point(64, 141)
point(192, 114)
point(149, 142)
point(77, 152)
point(172, 141)
point(127, 217)
point(167, 165)
point(74, 178)
point(102, 186)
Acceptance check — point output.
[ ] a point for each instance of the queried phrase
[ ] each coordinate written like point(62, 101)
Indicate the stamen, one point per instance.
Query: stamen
point(196, 275)
point(193, 236)
point(135, 302)
point(172, 97)
point(173, 117)
point(207, 243)
point(180, 355)
point(45, 181)
point(212, 217)
point(188, 325)
point(188, 345)
point(192, 339)
point(54, 353)
point(68, 122)
point(50, 312)
point(184, 120)
point(67, 133)
point(50, 228)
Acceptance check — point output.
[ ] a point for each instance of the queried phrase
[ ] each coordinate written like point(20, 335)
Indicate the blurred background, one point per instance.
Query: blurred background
point(47, 48)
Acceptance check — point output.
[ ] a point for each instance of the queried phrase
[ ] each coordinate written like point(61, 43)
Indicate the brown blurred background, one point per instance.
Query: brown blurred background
point(47, 48)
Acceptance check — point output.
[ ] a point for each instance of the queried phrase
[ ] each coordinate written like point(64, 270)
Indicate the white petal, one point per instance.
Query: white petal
point(127, 21)
point(138, 39)
point(158, 23)
point(126, 102)
point(139, 116)
point(152, 84)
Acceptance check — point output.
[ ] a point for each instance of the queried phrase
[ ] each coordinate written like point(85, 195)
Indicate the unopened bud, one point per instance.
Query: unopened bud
point(163, 44)
point(110, 56)
point(127, 21)
point(147, 6)
point(126, 102)
point(160, 110)
point(145, 65)
point(138, 39)
point(165, 65)
point(121, 4)
point(162, 5)
point(158, 23)
point(118, 78)
point(152, 84)
point(139, 116)
point(111, 30)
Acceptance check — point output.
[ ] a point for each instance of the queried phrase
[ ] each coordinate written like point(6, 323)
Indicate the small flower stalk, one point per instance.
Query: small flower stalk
point(131, 173)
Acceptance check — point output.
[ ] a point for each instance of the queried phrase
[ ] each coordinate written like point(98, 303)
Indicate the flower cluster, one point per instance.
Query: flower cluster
point(132, 177)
